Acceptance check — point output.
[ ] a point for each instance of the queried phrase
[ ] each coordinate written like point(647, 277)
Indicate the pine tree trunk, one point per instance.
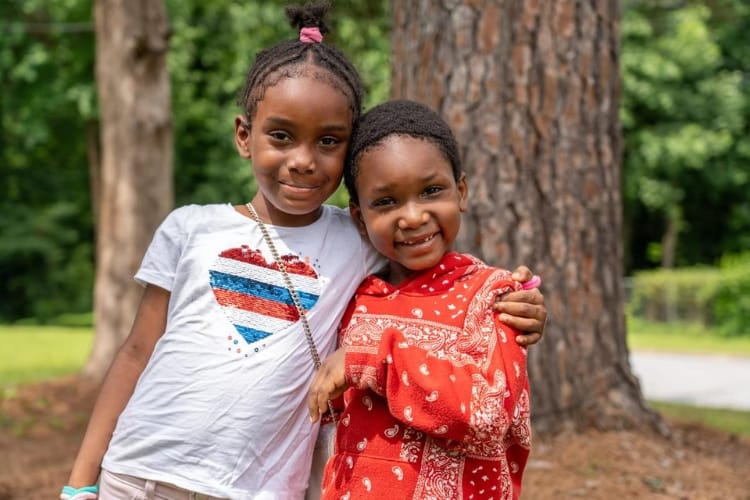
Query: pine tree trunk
point(135, 184)
point(531, 90)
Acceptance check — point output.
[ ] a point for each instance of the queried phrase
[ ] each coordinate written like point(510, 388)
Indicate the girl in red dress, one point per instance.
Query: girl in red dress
point(435, 388)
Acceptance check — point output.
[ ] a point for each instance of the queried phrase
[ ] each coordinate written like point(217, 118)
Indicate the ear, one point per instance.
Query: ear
point(463, 193)
point(242, 137)
point(356, 214)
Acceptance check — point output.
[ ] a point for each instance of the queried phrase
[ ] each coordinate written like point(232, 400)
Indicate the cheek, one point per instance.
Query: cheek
point(379, 233)
point(452, 224)
point(335, 165)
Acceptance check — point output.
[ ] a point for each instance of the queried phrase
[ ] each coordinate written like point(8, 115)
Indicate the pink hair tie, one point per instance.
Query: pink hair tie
point(534, 282)
point(310, 35)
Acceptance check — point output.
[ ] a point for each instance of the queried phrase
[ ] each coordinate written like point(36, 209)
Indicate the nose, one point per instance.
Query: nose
point(412, 215)
point(302, 159)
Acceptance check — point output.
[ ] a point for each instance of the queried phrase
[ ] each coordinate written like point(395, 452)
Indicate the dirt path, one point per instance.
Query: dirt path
point(41, 427)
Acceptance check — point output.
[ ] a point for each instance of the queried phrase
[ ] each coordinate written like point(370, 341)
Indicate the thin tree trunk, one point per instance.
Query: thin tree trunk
point(531, 89)
point(132, 38)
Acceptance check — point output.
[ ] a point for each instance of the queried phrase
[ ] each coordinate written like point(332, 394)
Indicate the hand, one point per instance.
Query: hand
point(523, 310)
point(328, 383)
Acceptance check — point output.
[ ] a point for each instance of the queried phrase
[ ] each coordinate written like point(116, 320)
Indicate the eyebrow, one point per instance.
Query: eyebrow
point(284, 122)
point(421, 180)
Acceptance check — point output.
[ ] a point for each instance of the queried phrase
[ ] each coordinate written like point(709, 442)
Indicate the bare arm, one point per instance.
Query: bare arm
point(118, 385)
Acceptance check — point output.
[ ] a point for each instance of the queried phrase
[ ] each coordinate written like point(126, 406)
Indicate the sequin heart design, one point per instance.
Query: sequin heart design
point(253, 294)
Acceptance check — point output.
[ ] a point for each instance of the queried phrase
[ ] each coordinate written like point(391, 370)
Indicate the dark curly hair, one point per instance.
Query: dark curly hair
point(287, 60)
point(400, 117)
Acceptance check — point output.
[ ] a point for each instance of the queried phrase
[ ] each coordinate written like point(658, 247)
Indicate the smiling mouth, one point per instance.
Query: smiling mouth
point(417, 241)
point(297, 186)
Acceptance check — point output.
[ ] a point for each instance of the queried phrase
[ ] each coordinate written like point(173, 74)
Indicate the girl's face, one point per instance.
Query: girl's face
point(297, 142)
point(409, 203)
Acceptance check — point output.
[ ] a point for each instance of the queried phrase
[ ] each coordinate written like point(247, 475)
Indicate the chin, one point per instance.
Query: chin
point(422, 264)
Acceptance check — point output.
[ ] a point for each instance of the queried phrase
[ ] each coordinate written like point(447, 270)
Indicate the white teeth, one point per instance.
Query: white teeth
point(417, 242)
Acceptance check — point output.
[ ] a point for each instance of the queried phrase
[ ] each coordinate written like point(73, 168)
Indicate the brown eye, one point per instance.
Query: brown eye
point(330, 141)
point(433, 190)
point(279, 135)
point(382, 202)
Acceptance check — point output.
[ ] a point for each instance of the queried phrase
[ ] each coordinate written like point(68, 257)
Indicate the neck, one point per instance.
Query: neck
point(395, 273)
point(269, 214)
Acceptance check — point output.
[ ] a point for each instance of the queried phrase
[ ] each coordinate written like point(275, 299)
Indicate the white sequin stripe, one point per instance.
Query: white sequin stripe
point(301, 283)
point(251, 319)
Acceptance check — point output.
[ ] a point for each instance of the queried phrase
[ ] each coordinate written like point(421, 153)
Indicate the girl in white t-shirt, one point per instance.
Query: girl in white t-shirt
point(206, 396)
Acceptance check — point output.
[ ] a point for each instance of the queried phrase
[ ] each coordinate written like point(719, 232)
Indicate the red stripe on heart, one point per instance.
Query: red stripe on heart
point(256, 305)
point(292, 263)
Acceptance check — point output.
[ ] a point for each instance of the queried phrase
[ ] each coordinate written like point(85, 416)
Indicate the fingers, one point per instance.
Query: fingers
point(528, 339)
point(328, 383)
point(532, 296)
point(521, 274)
point(525, 311)
point(322, 390)
point(525, 326)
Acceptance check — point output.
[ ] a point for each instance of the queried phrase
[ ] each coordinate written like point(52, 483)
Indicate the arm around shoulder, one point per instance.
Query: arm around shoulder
point(118, 385)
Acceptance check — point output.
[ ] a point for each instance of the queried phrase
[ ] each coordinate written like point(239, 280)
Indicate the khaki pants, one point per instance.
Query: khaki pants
point(123, 487)
point(323, 451)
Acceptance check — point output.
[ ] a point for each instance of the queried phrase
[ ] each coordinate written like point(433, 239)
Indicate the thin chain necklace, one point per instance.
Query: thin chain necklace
point(292, 291)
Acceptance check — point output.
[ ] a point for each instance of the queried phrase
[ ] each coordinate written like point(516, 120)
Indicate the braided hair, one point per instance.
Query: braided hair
point(400, 117)
point(288, 59)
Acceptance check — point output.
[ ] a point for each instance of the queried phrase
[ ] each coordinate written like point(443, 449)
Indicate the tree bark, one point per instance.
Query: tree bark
point(531, 89)
point(135, 191)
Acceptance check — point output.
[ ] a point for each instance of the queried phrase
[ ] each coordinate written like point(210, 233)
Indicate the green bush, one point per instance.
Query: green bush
point(717, 297)
point(674, 294)
point(731, 306)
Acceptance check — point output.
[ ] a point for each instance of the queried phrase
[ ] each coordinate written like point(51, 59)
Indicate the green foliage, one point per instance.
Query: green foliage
point(674, 294)
point(712, 297)
point(47, 108)
point(686, 119)
point(731, 307)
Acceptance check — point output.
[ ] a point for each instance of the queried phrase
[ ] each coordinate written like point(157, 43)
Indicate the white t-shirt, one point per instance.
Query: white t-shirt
point(220, 407)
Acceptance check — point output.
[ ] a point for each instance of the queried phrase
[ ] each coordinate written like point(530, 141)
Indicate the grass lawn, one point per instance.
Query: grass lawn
point(30, 353)
point(683, 338)
point(735, 421)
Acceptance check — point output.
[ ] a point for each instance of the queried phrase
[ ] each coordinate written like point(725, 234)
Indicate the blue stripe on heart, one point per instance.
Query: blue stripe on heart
point(251, 334)
point(263, 290)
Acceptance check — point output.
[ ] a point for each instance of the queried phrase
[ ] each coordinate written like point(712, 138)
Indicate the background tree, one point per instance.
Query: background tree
point(532, 91)
point(135, 181)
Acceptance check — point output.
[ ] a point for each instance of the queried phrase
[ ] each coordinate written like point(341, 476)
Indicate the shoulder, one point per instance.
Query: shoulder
point(195, 210)
point(339, 223)
point(193, 214)
point(338, 215)
point(490, 279)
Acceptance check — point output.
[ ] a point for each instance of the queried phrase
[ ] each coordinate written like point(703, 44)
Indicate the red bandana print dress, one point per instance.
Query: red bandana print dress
point(439, 401)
